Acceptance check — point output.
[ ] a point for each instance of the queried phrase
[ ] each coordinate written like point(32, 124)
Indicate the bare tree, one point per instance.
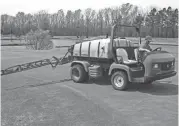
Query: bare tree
point(89, 15)
point(101, 20)
point(157, 22)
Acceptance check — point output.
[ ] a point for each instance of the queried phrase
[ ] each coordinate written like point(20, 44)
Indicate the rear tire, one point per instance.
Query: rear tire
point(78, 74)
point(119, 80)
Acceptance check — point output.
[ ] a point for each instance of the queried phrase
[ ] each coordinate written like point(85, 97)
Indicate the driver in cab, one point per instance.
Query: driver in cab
point(145, 46)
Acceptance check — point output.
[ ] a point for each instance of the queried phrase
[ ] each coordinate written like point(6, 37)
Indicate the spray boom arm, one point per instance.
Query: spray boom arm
point(54, 61)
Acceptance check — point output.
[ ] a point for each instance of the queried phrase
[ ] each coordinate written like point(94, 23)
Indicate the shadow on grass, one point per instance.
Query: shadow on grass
point(40, 84)
point(156, 88)
point(99, 81)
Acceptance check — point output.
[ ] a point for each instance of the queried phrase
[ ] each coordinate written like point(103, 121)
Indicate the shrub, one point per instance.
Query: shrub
point(38, 40)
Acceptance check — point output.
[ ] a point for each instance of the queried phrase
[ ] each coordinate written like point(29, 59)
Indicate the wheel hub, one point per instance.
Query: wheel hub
point(75, 72)
point(118, 81)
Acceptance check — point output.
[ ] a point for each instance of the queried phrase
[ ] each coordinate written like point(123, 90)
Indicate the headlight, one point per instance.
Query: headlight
point(173, 63)
point(155, 66)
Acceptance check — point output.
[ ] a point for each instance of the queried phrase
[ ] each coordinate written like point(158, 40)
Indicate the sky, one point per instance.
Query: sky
point(11, 7)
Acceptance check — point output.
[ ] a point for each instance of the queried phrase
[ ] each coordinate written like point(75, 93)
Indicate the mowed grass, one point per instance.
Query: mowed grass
point(74, 39)
point(13, 42)
point(38, 97)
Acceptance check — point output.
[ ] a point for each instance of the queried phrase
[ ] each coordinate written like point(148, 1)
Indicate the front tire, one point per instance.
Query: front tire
point(78, 74)
point(119, 80)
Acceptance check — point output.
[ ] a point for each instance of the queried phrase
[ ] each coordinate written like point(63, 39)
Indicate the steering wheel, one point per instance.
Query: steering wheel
point(159, 48)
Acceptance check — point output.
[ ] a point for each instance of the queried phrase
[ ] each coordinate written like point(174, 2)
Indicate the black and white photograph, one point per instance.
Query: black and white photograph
point(89, 62)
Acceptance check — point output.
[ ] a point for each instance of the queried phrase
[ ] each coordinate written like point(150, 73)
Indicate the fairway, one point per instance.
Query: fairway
point(71, 39)
point(47, 97)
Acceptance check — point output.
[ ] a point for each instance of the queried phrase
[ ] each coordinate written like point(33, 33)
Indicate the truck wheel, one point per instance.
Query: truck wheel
point(119, 80)
point(78, 74)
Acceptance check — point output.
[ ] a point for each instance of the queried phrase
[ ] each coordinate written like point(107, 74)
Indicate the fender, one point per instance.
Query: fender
point(85, 64)
point(122, 67)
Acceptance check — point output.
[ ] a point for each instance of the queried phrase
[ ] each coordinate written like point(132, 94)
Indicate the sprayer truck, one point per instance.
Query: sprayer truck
point(114, 57)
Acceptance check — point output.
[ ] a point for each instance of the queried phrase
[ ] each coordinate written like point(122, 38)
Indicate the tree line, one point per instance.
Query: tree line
point(155, 22)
